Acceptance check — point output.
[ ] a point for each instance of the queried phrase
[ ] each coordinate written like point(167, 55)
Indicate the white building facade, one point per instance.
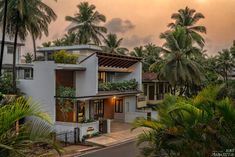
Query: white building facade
point(92, 102)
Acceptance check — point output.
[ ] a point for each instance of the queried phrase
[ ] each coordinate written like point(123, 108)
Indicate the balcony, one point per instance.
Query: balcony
point(122, 86)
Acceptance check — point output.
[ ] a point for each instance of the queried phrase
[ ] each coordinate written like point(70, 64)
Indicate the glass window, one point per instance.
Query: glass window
point(28, 73)
point(119, 106)
point(99, 109)
point(102, 77)
point(10, 49)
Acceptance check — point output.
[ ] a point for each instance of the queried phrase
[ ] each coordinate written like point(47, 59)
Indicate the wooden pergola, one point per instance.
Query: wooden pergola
point(116, 61)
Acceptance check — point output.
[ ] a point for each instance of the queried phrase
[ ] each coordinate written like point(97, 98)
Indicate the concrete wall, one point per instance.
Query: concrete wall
point(131, 116)
point(62, 127)
point(130, 103)
point(87, 81)
point(42, 87)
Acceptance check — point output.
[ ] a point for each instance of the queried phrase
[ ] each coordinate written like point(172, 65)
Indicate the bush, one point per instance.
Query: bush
point(193, 127)
point(28, 58)
point(65, 57)
point(119, 86)
point(6, 86)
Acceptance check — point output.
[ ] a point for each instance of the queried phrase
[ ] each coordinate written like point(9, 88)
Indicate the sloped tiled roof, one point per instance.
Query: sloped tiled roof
point(149, 76)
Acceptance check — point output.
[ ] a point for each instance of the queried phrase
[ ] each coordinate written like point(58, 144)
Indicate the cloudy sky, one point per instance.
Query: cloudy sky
point(141, 21)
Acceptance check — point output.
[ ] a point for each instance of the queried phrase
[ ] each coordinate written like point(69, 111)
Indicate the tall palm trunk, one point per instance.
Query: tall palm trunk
point(34, 46)
point(14, 59)
point(3, 35)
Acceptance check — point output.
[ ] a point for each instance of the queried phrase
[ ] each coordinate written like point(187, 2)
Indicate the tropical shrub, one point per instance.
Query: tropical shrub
point(119, 86)
point(66, 100)
point(65, 57)
point(190, 127)
point(28, 58)
point(6, 86)
point(24, 139)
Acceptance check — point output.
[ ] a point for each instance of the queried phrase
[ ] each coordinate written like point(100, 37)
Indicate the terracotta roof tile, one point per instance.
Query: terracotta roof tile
point(149, 76)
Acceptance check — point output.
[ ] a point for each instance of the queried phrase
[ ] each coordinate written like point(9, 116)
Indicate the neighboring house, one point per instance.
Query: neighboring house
point(8, 52)
point(232, 74)
point(93, 69)
point(154, 89)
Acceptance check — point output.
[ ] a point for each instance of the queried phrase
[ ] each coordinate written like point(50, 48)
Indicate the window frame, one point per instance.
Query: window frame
point(118, 106)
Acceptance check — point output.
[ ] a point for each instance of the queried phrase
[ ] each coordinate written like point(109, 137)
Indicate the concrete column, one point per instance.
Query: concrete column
point(87, 109)
point(108, 126)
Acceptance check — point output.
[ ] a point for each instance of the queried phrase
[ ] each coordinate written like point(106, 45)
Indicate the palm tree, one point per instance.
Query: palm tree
point(189, 127)
point(39, 26)
point(23, 139)
point(138, 52)
point(188, 18)
point(70, 39)
point(112, 45)
point(86, 24)
point(3, 33)
point(225, 63)
point(179, 55)
point(232, 49)
point(24, 18)
point(179, 67)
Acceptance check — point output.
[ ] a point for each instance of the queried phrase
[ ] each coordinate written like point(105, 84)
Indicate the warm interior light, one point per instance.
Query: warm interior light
point(114, 97)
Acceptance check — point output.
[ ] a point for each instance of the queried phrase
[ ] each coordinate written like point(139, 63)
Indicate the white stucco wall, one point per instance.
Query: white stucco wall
point(8, 58)
point(42, 87)
point(87, 81)
point(62, 127)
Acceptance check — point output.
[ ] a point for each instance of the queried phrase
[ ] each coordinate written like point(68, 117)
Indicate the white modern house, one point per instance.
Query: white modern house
point(8, 52)
point(90, 77)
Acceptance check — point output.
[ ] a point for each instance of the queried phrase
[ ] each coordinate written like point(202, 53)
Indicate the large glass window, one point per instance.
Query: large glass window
point(119, 105)
point(106, 77)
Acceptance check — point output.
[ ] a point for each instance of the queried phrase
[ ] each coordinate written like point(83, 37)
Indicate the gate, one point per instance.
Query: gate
point(103, 126)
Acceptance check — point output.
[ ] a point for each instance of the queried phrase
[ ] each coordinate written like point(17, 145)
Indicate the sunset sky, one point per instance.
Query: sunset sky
point(141, 21)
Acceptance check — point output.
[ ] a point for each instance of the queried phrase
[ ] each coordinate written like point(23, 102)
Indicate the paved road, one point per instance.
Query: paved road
point(125, 150)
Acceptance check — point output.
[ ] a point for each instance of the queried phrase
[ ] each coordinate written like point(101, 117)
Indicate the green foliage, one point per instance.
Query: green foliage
point(6, 86)
point(179, 66)
point(65, 57)
point(119, 86)
point(188, 18)
point(151, 56)
point(66, 99)
point(90, 136)
point(65, 91)
point(86, 24)
point(68, 39)
point(190, 127)
point(112, 45)
point(24, 140)
point(28, 57)
point(228, 90)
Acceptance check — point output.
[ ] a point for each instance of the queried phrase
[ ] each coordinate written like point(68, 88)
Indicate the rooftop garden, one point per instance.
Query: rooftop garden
point(119, 86)
point(65, 57)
